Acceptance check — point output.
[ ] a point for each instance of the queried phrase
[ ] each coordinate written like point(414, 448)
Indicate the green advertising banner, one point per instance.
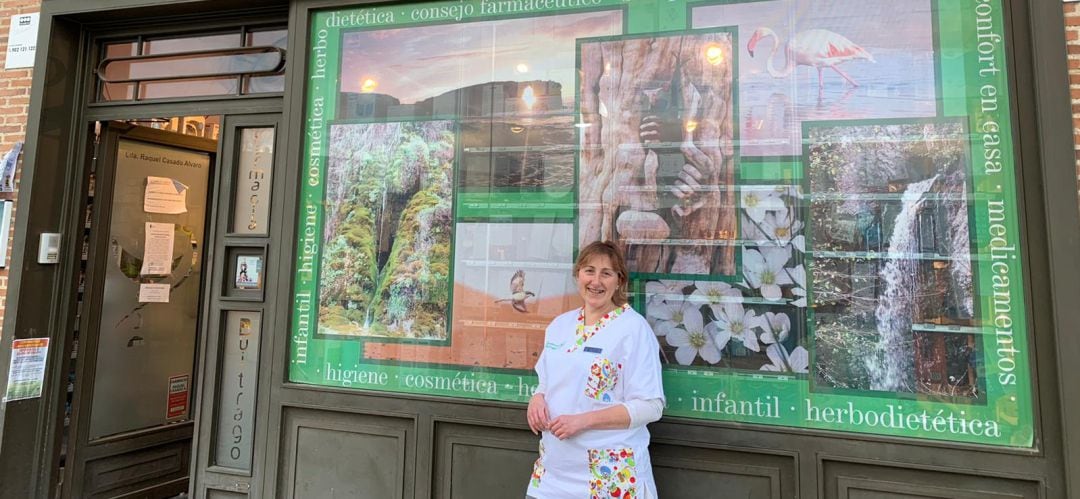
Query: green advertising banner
point(817, 201)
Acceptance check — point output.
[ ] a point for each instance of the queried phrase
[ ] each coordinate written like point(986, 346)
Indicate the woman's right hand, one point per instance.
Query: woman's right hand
point(537, 414)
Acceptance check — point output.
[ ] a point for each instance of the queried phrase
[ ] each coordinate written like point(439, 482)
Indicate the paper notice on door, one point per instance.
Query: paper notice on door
point(154, 293)
point(26, 373)
point(165, 195)
point(178, 397)
point(158, 249)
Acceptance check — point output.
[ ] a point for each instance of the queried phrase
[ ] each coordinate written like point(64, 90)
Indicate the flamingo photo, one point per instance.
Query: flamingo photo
point(818, 48)
point(840, 39)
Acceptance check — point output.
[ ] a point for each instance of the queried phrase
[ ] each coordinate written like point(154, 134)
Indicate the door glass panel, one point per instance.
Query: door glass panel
point(146, 349)
point(251, 201)
point(234, 429)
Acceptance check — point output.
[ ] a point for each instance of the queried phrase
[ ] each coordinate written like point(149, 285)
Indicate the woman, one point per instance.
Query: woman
point(599, 387)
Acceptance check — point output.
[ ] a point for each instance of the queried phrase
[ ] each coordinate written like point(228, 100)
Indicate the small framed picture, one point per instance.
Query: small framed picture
point(248, 272)
point(245, 277)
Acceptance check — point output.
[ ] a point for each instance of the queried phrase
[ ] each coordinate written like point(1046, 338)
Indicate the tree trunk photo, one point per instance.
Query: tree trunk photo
point(656, 171)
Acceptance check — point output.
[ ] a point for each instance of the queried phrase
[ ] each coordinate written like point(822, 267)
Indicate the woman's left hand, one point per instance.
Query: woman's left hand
point(568, 425)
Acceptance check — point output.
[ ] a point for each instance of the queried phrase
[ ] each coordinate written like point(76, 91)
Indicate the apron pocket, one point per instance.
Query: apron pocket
point(603, 376)
point(612, 474)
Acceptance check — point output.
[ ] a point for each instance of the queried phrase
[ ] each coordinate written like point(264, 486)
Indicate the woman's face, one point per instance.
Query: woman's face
point(597, 282)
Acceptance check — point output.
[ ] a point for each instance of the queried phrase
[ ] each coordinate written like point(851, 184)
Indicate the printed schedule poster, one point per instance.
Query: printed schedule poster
point(27, 371)
point(818, 206)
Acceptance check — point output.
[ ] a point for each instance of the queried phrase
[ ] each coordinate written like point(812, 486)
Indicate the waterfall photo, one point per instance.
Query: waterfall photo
point(891, 267)
point(385, 269)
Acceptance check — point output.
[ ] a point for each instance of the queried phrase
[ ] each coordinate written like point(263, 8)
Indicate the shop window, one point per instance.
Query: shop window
point(818, 205)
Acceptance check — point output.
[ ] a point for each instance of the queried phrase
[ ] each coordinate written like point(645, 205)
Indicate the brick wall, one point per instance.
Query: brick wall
point(14, 106)
point(1072, 43)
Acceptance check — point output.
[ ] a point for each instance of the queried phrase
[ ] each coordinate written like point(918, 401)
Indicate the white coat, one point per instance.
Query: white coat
point(587, 369)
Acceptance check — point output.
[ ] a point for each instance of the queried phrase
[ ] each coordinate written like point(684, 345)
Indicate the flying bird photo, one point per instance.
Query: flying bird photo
point(518, 294)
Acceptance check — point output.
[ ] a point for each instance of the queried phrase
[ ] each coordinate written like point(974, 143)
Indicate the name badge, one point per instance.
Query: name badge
point(593, 350)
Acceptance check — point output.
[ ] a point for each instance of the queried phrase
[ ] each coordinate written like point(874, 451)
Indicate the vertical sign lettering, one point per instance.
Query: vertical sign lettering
point(236, 395)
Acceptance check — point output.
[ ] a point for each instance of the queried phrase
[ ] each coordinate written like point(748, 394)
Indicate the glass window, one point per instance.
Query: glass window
point(234, 425)
point(254, 176)
point(190, 43)
point(195, 65)
point(119, 91)
point(122, 49)
point(208, 126)
point(187, 88)
point(271, 83)
point(818, 205)
point(267, 38)
point(204, 64)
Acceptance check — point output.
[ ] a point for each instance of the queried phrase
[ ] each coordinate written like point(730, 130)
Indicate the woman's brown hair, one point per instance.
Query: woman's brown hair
point(618, 264)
